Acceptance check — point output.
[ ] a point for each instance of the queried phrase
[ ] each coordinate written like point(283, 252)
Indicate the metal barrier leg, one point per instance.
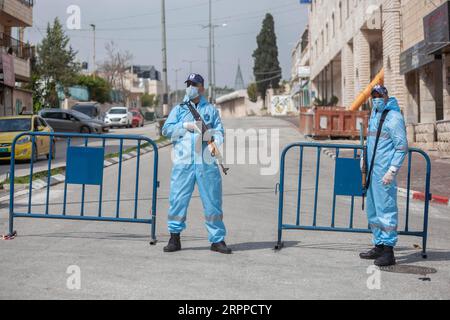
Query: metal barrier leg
point(280, 244)
point(153, 241)
point(424, 247)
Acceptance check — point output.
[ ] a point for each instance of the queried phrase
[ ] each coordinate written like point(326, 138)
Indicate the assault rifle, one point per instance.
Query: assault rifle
point(215, 151)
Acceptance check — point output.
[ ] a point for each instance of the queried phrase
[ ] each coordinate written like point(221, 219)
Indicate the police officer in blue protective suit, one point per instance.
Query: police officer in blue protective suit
point(382, 210)
point(193, 163)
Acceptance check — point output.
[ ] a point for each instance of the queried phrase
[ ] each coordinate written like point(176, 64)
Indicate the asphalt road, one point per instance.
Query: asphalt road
point(22, 167)
point(114, 260)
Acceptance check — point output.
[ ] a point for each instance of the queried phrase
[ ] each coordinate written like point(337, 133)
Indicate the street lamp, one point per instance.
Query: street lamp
point(212, 59)
point(94, 64)
point(223, 25)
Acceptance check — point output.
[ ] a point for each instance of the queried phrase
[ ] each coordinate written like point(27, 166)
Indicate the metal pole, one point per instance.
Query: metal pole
point(176, 84)
point(213, 98)
point(94, 64)
point(210, 93)
point(164, 59)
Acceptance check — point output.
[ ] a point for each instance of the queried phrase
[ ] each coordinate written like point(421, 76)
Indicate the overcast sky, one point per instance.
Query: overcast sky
point(134, 25)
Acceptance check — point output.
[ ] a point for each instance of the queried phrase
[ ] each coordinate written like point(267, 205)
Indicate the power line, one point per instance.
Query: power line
point(157, 12)
point(268, 72)
point(181, 39)
point(268, 79)
point(192, 24)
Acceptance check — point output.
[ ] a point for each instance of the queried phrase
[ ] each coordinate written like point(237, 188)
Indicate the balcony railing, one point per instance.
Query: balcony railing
point(16, 47)
point(28, 3)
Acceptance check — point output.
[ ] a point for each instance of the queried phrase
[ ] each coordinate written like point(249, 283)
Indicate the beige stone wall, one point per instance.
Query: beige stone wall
point(18, 10)
point(443, 136)
point(413, 12)
point(446, 79)
point(25, 97)
point(392, 48)
point(345, 28)
point(22, 69)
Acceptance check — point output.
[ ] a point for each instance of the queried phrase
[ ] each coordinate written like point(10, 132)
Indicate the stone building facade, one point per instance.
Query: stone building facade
point(15, 55)
point(351, 41)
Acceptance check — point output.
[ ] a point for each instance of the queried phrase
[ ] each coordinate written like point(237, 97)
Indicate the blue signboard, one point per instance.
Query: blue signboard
point(85, 165)
point(348, 177)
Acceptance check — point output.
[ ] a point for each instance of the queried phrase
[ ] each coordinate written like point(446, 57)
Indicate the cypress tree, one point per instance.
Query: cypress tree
point(267, 69)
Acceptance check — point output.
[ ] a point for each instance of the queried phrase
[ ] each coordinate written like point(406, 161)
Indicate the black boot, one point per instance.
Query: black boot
point(220, 247)
point(174, 243)
point(387, 258)
point(373, 254)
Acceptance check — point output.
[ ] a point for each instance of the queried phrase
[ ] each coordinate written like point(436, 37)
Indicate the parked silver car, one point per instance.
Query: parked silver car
point(72, 121)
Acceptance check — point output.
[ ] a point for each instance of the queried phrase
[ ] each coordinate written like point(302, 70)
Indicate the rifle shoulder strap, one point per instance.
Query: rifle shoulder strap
point(372, 162)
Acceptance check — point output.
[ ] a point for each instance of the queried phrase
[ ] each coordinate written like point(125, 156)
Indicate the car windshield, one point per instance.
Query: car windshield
point(80, 115)
point(90, 111)
point(12, 125)
point(117, 111)
point(135, 114)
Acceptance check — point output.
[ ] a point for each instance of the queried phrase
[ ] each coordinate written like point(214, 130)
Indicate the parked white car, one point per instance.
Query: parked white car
point(119, 117)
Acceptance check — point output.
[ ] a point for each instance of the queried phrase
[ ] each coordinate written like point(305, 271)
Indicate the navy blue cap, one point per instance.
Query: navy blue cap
point(380, 89)
point(195, 78)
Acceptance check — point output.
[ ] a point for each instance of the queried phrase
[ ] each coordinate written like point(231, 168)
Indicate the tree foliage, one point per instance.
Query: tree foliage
point(148, 100)
point(99, 88)
point(252, 92)
point(266, 69)
point(54, 66)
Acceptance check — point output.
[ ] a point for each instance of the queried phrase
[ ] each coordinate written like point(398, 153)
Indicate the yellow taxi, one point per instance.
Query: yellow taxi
point(11, 127)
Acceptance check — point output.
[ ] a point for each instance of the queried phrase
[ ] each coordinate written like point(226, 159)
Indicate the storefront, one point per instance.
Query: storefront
point(426, 67)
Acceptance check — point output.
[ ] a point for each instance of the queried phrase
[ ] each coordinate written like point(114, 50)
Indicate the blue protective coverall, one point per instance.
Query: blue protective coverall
point(382, 210)
point(192, 163)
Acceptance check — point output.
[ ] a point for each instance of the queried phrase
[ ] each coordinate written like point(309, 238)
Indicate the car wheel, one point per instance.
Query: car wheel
point(85, 130)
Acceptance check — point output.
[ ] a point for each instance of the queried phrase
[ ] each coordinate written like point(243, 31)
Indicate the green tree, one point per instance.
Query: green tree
point(148, 100)
point(99, 88)
point(267, 69)
point(252, 92)
point(55, 65)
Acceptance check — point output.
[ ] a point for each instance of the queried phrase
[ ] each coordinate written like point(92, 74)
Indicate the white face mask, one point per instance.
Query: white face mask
point(192, 92)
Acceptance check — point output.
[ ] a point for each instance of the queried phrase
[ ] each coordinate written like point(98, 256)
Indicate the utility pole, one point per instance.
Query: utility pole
point(165, 110)
point(176, 84)
point(94, 64)
point(210, 89)
point(213, 98)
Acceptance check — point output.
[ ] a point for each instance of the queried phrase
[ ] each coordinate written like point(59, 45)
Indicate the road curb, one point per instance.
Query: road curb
point(413, 195)
point(40, 184)
point(420, 196)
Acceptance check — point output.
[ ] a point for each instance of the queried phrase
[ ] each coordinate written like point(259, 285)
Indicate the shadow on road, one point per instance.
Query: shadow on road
point(250, 246)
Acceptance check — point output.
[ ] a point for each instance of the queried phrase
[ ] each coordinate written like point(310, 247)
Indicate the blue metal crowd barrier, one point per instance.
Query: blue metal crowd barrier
point(85, 166)
point(348, 185)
